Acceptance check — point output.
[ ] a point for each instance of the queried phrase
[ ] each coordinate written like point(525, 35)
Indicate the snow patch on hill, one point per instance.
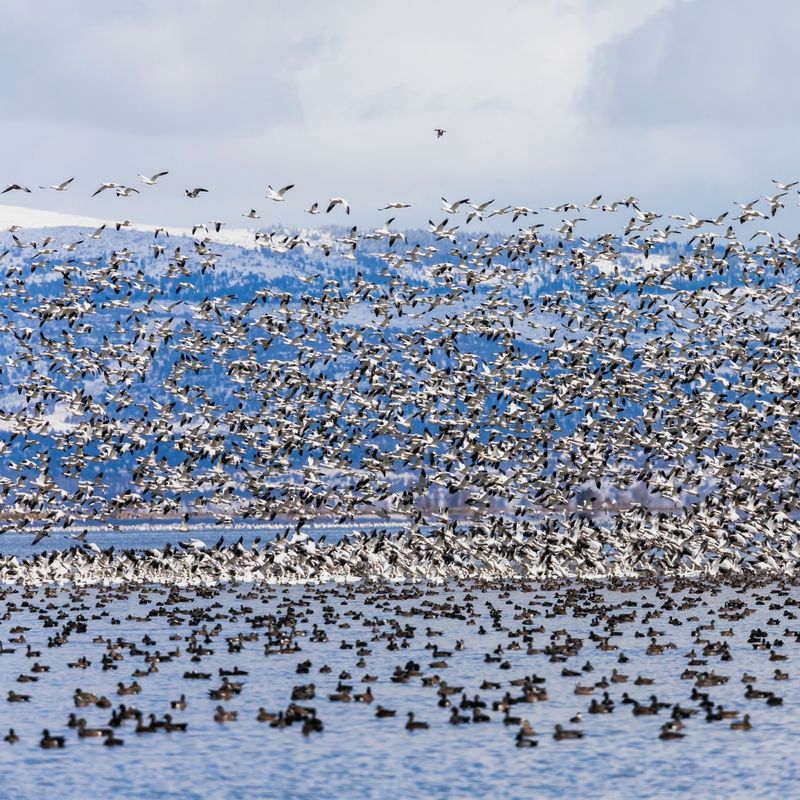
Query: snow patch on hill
point(38, 219)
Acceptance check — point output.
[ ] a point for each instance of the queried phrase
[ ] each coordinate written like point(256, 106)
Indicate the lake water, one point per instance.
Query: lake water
point(142, 536)
point(358, 755)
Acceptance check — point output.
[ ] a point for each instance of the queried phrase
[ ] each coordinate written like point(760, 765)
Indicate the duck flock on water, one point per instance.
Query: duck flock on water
point(550, 659)
point(640, 419)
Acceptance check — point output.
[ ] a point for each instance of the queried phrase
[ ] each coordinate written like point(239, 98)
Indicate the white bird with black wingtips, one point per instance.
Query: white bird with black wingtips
point(278, 194)
point(153, 179)
point(337, 201)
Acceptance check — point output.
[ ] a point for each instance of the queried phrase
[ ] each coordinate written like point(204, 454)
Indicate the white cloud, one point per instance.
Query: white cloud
point(543, 102)
point(716, 62)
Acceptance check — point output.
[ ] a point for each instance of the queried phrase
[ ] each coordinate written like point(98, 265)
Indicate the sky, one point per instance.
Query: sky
point(687, 104)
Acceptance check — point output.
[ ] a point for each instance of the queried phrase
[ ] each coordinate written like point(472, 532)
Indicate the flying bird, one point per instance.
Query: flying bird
point(195, 192)
point(104, 186)
point(336, 201)
point(278, 195)
point(59, 187)
point(439, 132)
point(452, 208)
point(151, 181)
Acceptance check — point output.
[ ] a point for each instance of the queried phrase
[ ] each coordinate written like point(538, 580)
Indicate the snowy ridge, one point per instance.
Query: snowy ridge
point(37, 219)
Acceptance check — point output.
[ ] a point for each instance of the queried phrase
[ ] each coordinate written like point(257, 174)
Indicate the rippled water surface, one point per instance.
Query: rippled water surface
point(358, 755)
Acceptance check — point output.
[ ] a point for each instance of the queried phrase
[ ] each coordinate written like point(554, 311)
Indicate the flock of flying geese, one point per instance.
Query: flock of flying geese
point(641, 418)
point(121, 190)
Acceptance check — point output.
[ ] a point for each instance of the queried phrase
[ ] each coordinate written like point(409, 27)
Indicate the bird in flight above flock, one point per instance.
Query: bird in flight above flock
point(336, 201)
point(104, 186)
point(151, 181)
point(59, 187)
point(278, 194)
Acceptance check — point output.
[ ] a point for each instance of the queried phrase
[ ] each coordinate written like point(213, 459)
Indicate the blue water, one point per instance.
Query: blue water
point(142, 536)
point(358, 755)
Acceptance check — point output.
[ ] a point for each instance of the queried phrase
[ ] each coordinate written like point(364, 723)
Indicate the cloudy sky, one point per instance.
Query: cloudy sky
point(688, 104)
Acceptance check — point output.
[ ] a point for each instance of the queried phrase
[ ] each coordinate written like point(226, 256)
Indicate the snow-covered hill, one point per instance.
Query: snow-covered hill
point(38, 219)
